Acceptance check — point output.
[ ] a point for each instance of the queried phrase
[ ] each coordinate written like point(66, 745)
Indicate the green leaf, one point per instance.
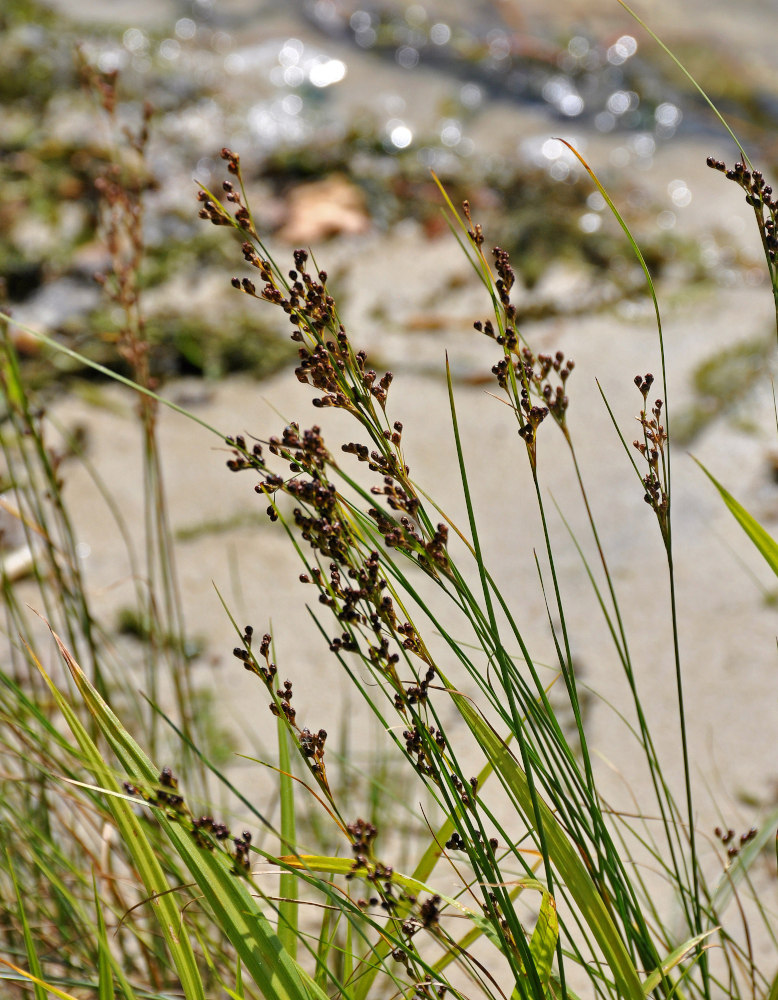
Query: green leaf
point(764, 542)
point(543, 944)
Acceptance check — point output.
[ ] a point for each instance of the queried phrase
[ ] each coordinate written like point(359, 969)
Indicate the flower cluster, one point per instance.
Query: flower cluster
point(760, 196)
point(354, 535)
point(206, 832)
point(311, 745)
point(653, 450)
point(536, 385)
point(343, 380)
point(732, 842)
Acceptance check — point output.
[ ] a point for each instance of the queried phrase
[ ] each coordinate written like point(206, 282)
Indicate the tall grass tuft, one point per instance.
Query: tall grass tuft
point(530, 886)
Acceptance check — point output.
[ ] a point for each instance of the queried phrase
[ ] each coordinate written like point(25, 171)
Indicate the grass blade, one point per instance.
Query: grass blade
point(561, 851)
point(685, 72)
point(38, 983)
point(676, 955)
point(287, 908)
point(544, 939)
point(133, 836)
point(234, 908)
point(764, 541)
point(105, 989)
point(29, 944)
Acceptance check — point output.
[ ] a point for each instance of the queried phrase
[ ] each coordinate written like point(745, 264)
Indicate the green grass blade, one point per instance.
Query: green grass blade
point(96, 366)
point(469, 939)
point(29, 944)
point(287, 909)
point(474, 255)
point(108, 967)
point(544, 939)
point(348, 954)
point(676, 956)
point(133, 836)
point(685, 72)
point(104, 971)
point(764, 541)
point(234, 908)
point(644, 267)
point(326, 937)
point(562, 853)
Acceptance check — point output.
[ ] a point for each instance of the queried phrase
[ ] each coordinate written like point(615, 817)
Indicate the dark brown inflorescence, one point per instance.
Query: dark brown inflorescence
point(206, 832)
point(344, 380)
point(310, 744)
point(653, 450)
point(345, 566)
point(732, 842)
point(351, 547)
point(536, 385)
point(759, 196)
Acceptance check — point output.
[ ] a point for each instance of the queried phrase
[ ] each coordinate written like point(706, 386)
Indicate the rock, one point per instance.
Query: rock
point(321, 209)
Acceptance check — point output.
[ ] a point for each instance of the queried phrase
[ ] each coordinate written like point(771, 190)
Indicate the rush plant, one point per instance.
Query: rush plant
point(551, 897)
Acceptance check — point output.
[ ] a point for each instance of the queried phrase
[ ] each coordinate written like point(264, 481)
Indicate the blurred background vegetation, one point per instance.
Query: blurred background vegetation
point(340, 110)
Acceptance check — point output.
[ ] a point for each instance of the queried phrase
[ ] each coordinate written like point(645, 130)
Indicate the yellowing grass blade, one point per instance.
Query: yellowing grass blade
point(544, 939)
point(677, 955)
point(134, 838)
point(39, 983)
